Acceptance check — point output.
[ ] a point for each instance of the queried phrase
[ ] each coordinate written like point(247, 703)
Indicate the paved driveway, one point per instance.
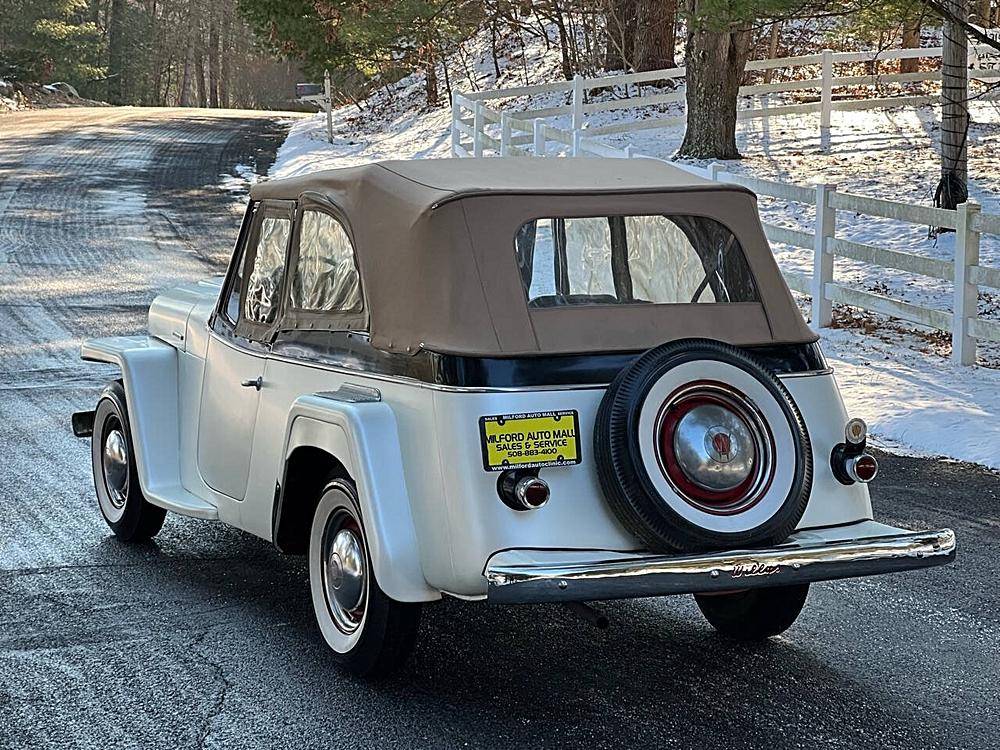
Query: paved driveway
point(206, 638)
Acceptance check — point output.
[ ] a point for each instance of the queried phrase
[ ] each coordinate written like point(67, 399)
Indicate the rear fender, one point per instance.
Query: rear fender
point(362, 436)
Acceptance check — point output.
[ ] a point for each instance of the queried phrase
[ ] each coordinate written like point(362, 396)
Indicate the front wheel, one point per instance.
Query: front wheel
point(116, 479)
point(754, 614)
point(370, 634)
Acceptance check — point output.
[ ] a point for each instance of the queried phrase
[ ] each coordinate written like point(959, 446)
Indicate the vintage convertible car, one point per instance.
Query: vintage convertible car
point(505, 380)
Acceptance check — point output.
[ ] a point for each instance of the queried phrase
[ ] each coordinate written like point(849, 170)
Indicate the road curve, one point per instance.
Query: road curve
point(206, 638)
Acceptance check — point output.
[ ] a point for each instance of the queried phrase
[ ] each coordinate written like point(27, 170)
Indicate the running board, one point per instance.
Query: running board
point(178, 500)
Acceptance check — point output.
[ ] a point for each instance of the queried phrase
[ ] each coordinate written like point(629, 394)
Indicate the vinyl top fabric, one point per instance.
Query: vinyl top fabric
point(434, 240)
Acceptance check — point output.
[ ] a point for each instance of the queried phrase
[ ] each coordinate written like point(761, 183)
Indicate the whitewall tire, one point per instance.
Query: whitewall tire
point(368, 633)
point(116, 479)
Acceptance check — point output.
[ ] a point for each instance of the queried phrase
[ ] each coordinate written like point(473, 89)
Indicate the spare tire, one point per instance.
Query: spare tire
point(699, 446)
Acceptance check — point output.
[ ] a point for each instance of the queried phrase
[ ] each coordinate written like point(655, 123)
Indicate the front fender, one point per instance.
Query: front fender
point(363, 436)
point(149, 373)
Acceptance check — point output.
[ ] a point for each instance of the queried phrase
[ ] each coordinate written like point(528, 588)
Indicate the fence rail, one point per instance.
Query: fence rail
point(478, 129)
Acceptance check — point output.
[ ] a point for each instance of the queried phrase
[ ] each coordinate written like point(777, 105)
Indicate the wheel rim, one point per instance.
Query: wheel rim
point(345, 571)
point(114, 460)
point(714, 447)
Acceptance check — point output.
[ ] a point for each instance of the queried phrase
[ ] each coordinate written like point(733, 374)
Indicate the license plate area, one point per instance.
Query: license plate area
point(530, 440)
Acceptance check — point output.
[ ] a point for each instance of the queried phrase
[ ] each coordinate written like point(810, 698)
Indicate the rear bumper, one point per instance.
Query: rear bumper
point(860, 549)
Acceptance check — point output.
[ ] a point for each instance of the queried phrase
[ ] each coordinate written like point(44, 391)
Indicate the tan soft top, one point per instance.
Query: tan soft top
point(435, 246)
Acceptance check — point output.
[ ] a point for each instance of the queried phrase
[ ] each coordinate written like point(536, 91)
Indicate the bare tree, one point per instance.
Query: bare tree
point(117, 57)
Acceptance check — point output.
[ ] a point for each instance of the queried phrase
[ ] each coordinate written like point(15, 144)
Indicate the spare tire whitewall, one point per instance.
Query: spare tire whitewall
point(777, 475)
point(699, 446)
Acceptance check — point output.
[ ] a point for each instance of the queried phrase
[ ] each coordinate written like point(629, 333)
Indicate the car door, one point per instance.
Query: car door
point(323, 320)
point(242, 328)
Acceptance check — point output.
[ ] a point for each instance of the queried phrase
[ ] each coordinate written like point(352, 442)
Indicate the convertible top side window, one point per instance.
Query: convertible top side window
point(229, 307)
point(263, 270)
point(325, 275)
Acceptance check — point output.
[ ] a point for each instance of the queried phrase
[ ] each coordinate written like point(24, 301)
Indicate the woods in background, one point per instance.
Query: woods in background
point(148, 52)
point(249, 53)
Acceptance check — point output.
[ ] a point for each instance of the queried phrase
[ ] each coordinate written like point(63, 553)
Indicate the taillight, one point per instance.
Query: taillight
point(849, 461)
point(523, 489)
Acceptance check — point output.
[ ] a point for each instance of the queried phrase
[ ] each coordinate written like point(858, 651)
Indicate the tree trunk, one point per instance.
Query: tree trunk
point(715, 63)
point(430, 76)
point(191, 51)
point(116, 52)
point(621, 29)
point(199, 69)
point(567, 66)
point(213, 62)
point(189, 64)
point(225, 54)
point(772, 49)
point(911, 40)
point(655, 34)
point(953, 188)
point(155, 73)
point(983, 15)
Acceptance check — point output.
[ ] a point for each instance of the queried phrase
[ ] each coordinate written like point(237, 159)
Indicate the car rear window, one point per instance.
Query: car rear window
point(659, 259)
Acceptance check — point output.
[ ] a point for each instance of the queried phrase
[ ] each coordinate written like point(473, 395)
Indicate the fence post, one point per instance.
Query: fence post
point(577, 150)
point(538, 130)
point(826, 99)
point(577, 102)
point(328, 105)
point(713, 171)
point(478, 123)
point(456, 118)
point(504, 134)
point(966, 305)
point(826, 228)
point(628, 151)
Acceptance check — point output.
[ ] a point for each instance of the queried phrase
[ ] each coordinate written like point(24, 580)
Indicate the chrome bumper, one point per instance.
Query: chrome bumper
point(860, 549)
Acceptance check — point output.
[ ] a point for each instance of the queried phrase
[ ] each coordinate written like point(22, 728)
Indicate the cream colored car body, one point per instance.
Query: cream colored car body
point(208, 447)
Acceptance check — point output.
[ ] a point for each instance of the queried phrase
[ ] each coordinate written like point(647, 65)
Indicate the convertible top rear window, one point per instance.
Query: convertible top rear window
point(661, 259)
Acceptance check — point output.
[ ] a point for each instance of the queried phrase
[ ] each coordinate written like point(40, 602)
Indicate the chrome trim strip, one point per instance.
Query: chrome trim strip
point(656, 575)
point(402, 379)
point(352, 393)
point(447, 388)
point(806, 374)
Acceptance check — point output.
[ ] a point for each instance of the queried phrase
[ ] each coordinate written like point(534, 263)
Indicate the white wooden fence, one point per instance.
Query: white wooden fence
point(479, 130)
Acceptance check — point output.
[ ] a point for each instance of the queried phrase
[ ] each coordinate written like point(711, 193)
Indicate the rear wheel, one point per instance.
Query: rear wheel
point(370, 634)
point(116, 480)
point(754, 614)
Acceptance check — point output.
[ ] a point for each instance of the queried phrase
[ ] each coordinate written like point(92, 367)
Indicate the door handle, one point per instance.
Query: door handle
point(255, 383)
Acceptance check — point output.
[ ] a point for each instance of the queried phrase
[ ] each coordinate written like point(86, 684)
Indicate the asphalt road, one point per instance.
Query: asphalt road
point(206, 637)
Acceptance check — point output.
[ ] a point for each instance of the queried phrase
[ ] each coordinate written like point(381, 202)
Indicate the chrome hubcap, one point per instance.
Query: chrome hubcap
point(344, 573)
point(714, 447)
point(115, 461)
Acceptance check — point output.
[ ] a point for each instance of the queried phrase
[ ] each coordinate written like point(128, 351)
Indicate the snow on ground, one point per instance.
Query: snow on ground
point(895, 377)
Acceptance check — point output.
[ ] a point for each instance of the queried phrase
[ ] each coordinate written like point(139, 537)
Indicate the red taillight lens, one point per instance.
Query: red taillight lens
point(864, 468)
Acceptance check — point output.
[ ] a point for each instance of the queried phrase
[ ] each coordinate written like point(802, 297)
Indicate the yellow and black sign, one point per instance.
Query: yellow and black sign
point(530, 441)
